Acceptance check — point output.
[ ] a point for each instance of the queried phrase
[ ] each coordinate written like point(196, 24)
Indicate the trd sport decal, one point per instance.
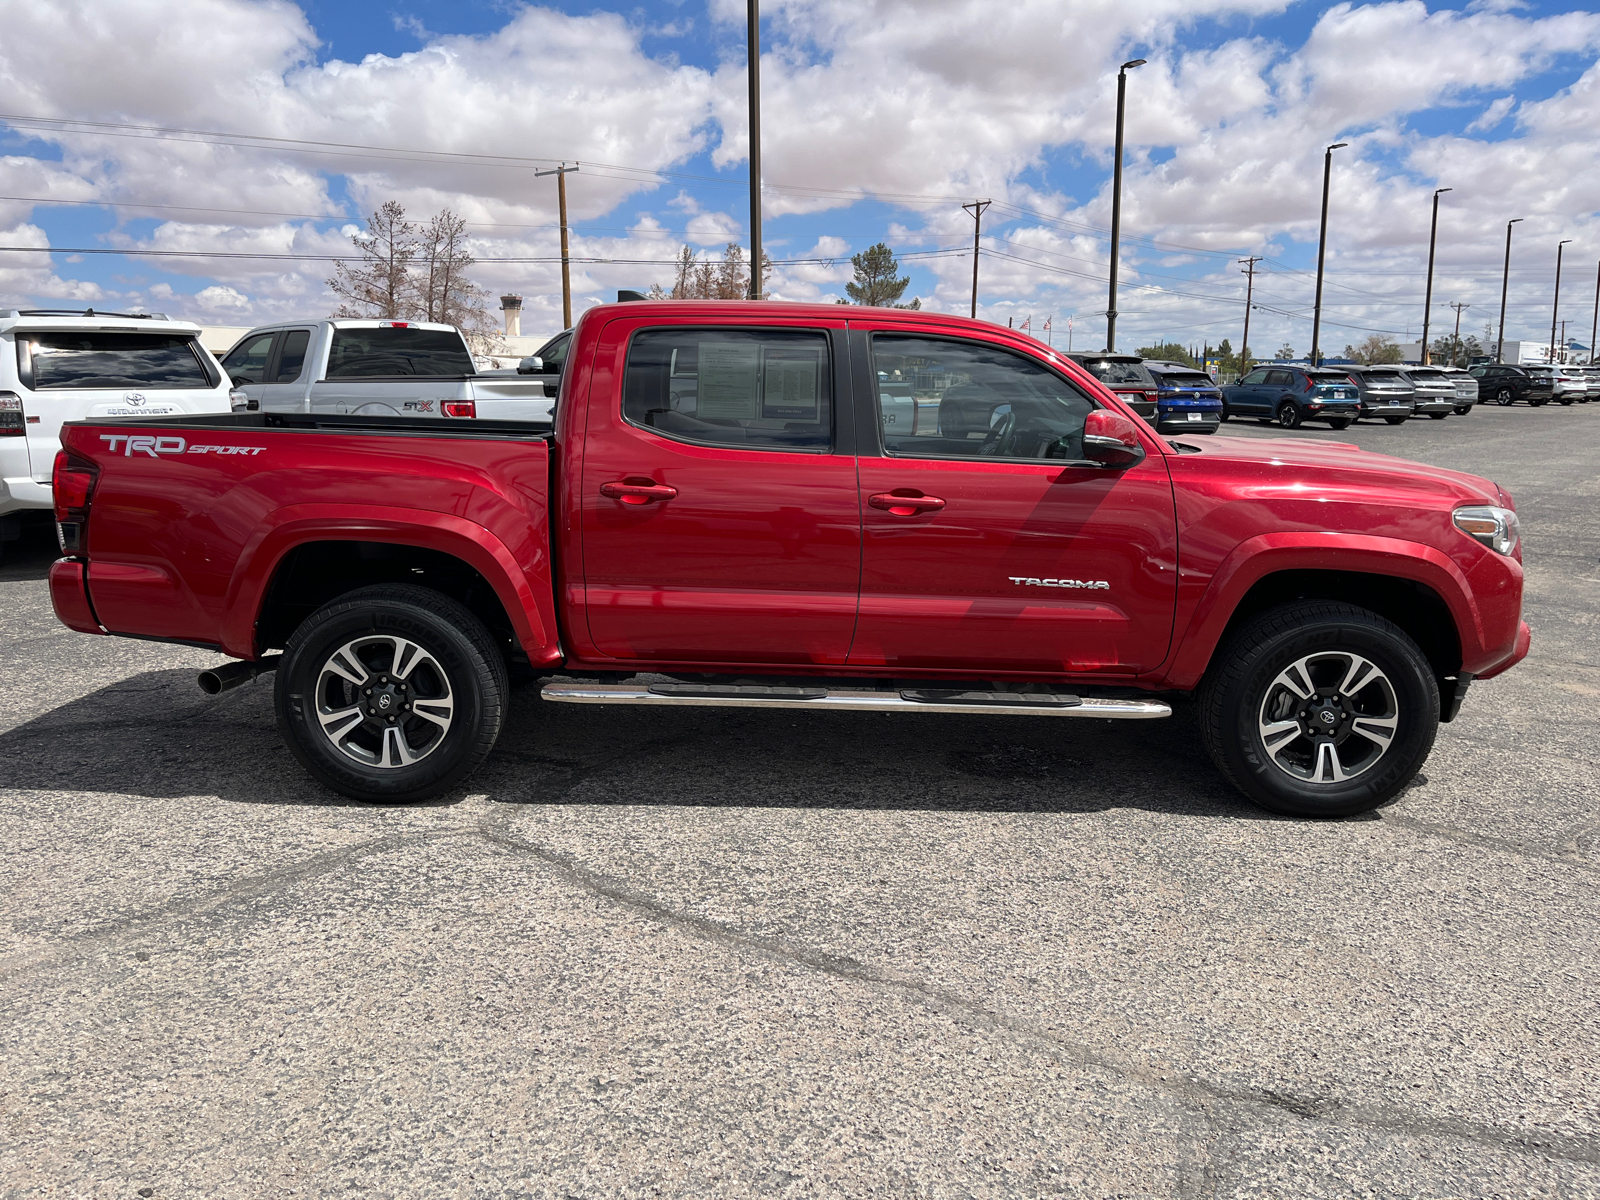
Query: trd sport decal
point(144, 444)
point(1024, 581)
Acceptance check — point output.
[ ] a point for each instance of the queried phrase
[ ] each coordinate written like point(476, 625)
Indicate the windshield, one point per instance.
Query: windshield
point(63, 360)
point(1128, 374)
point(397, 351)
point(1187, 379)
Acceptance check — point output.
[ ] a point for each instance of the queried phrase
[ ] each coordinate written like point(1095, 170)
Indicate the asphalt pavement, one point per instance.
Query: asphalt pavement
point(712, 952)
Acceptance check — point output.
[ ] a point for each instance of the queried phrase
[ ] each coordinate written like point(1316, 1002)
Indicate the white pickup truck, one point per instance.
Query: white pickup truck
point(72, 365)
point(377, 369)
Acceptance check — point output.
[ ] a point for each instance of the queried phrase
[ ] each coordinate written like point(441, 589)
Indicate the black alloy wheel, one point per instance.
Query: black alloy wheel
point(1289, 415)
point(1504, 398)
point(1319, 709)
point(391, 693)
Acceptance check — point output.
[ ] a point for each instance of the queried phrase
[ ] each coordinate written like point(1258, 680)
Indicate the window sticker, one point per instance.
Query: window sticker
point(728, 374)
point(789, 384)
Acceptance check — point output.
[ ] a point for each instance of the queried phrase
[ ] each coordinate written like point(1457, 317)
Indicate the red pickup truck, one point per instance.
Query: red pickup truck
point(803, 507)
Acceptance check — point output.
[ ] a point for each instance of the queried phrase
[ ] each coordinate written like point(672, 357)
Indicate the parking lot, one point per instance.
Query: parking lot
point(714, 952)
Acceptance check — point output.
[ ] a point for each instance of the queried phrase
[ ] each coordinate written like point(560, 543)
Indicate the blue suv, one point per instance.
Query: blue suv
point(1187, 400)
point(1293, 395)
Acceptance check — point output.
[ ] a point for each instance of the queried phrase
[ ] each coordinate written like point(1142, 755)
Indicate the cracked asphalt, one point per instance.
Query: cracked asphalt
point(745, 953)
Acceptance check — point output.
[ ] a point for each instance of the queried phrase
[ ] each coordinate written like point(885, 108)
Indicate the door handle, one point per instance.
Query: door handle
point(637, 493)
point(905, 506)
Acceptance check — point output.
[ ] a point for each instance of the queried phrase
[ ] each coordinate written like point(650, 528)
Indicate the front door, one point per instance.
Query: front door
point(1246, 397)
point(989, 542)
point(286, 387)
point(718, 500)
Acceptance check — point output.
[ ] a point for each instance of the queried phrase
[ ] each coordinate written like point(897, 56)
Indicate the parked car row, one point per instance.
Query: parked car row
point(1506, 383)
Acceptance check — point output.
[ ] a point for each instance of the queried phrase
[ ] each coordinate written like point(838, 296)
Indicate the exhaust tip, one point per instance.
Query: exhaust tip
point(210, 683)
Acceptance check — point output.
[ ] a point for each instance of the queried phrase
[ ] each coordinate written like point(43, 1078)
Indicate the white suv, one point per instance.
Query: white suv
point(60, 366)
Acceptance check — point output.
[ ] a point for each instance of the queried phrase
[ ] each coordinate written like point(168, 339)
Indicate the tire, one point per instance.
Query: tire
point(1437, 416)
point(1224, 414)
point(1245, 701)
point(1504, 398)
point(1397, 420)
point(1288, 415)
point(1338, 422)
point(1538, 403)
point(1566, 401)
point(453, 685)
point(1463, 409)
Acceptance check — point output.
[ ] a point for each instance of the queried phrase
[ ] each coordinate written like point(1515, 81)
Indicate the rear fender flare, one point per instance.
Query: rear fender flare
point(1270, 553)
point(529, 603)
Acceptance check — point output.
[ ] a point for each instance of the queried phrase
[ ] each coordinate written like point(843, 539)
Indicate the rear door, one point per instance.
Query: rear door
point(989, 543)
point(718, 495)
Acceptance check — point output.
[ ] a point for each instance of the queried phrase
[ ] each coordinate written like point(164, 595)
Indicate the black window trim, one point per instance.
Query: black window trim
point(870, 415)
point(839, 436)
point(276, 354)
point(269, 367)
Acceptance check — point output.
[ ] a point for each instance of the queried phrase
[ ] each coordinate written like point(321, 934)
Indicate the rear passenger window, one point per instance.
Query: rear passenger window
point(760, 389)
point(941, 398)
point(292, 357)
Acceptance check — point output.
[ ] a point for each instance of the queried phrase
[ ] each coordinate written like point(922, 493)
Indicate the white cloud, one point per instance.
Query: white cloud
point(1491, 117)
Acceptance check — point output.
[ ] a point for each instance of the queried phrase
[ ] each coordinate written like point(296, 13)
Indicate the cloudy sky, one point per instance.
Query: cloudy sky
point(260, 132)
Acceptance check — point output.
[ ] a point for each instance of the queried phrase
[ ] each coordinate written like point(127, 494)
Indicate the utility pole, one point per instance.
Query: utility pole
point(753, 56)
point(1555, 310)
point(1505, 283)
point(976, 209)
point(566, 270)
point(1322, 248)
point(1595, 328)
point(1116, 201)
point(1427, 303)
point(1455, 342)
point(1249, 295)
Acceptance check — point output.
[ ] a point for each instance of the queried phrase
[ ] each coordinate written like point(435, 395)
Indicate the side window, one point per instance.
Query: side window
point(1280, 379)
point(292, 356)
point(247, 362)
point(554, 353)
point(1254, 379)
point(766, 389)
point(955, 399)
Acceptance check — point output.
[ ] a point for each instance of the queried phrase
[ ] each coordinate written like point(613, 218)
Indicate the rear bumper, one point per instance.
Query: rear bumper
point(1386, 408)
point(69, 596)
point(1437, 404)
point(1188, 421)
point(1144, 408)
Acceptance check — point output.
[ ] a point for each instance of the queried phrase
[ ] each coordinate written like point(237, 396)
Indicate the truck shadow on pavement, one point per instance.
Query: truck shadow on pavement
point(157, 735)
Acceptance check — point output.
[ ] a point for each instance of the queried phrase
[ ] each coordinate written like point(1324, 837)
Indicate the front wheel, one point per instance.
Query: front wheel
point(1224, 414)
point(1338, 422)
point(1437, 416)
point(1319, 709)
point(1289, 415)
point(1462, 410)
point(1504, 398)
point(1567, 400)
point(1397, 420)
point(391, 693)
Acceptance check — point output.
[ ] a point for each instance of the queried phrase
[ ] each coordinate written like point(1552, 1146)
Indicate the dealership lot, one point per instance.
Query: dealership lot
point(740, 952)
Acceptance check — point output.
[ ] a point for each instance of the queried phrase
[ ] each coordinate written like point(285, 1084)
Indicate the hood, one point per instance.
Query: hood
point(1341, 465)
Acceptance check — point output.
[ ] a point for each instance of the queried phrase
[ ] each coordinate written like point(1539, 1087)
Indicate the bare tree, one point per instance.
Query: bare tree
point(380, 285)
point(443, 291)
point(697, 278)
point(1375, 348)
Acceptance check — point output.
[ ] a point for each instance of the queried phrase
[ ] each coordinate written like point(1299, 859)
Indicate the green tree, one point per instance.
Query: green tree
point(875, 283)
point(1375, 348)
point(1168, 351)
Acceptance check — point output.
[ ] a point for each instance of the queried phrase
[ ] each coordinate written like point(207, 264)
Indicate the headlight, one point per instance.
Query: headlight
point(1496, 528)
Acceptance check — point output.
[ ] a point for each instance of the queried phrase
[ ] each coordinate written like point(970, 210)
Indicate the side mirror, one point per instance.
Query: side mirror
point(532, 365)
point(1111, 440)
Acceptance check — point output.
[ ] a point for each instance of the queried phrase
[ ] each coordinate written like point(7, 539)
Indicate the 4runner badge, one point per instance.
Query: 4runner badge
point(1025, 581)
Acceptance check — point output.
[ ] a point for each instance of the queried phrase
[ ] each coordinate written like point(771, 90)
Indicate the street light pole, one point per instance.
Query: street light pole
point(1249, 295)
point(1455, 341)
point(1505, 283)
point(1555, 310)
point(1595, 328)
point(976, 209)
point(566, 270)
point(1322, 249)
point(1427, 303)
point(1116, 201)
point(753, 53)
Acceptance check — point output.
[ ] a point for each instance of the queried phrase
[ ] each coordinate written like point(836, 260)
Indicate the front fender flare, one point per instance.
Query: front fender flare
point(1270, 553)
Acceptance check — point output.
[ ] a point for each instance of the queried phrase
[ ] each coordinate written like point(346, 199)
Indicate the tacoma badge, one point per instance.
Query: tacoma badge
point(1024, 581)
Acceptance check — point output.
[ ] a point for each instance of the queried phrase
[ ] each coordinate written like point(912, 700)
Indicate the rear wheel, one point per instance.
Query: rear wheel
point(1397, 420)
point(1339, 422)
point(1437, 416)
point(1225, 414)
point(1289, 415)
point(1504, 398)
point(1567, 400)
point(1538, 403)
point(391, 693)
point(1463, 409)
point(1319, 709)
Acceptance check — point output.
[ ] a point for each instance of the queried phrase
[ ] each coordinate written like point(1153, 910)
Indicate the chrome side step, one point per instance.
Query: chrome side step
point(912, 700)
